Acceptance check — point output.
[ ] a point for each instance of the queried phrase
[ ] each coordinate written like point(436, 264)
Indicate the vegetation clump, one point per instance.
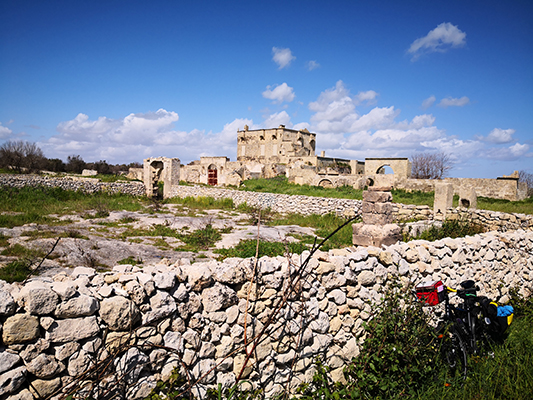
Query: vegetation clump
point(450, 228)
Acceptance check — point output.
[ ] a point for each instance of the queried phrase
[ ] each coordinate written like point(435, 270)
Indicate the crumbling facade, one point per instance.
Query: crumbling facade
point(274, 146)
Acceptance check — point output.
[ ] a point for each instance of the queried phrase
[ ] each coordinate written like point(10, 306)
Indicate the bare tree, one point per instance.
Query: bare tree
point(526, 177)
point(430, 165)
point(20, 156)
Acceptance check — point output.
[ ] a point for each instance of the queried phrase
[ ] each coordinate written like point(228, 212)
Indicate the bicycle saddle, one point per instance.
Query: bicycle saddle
point(469, 284)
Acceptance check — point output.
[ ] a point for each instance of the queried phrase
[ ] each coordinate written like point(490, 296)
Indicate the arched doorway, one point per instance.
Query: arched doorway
point(212, 175)
point(325, 183)
point(156, 170)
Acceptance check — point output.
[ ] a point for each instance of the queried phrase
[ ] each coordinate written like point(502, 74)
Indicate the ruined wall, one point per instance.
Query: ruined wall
point(508, 189)
point(275, 145)
point(400, 166)
point(142, 323)
point(86, 185)
point(307, 205)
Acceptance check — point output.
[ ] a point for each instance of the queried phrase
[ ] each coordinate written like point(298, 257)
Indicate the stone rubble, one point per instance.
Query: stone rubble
point(143, 322)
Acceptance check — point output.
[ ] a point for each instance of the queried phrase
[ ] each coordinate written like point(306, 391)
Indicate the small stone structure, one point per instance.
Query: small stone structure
point(443, 199)
point(468, 198)
point(89, 172)
point(161, 169)
point(377, 228)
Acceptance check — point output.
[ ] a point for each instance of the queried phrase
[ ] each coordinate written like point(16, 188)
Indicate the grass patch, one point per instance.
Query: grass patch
point(15, 271)
point(202, 203)
point(111, 178)
point(200, 239)
point(520, 207)
point(161, 244)
point(450, 228)
point(324, 225)
point(20, 251)
point(415, 197)
point(4, 240)
point(130, 260)
point(127, 220)
point(34, 204)
point(280, 184)
point(247, 248)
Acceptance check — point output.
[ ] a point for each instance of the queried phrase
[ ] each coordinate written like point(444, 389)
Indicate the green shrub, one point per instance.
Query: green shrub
point(398, 356)
point(200, 239)
point(450, 228)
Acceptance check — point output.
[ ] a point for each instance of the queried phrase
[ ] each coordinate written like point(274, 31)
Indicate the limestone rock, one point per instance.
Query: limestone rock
point(7, 303)
point(366, 278)
point(68, 330)
point(218, 297)
point(77, 307)
point(119, 313)
point(20, 328)
point(79, 362)
point(162, 304)
point(38, 299)
point(45, 366)
point(12, 380)
point(198, 275)
point(7, 361)
point(41, 388)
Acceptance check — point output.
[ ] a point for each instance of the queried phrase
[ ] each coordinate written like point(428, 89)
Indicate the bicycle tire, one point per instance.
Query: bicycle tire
point(454, 353)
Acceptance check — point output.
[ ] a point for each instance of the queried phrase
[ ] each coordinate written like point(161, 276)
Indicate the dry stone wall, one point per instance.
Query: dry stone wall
point(306, 205)
point(202, 318)
point(86, 185)
point(282, 203)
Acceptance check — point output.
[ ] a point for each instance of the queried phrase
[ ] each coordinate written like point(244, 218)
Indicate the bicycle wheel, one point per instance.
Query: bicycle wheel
point(454, 353)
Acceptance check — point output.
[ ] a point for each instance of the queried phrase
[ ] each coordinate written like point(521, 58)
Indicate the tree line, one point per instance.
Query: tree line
point(26, 157)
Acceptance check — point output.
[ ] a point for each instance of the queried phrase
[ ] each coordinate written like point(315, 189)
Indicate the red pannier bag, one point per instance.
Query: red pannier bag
point(431, 292)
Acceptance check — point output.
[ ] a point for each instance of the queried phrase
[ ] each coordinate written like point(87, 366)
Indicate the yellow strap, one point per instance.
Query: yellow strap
point(509, 319)
point(449, 289)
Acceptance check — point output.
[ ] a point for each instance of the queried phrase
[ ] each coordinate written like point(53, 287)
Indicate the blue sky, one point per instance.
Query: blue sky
point(125, 80)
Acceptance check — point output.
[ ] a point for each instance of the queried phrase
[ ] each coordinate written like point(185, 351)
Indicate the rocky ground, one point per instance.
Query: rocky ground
point(101, 243)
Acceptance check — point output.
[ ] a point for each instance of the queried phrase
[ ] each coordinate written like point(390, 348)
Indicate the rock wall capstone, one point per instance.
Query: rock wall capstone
point(117, 333)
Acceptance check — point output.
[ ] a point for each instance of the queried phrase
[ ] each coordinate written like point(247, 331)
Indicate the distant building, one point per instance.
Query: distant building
point(274, 146)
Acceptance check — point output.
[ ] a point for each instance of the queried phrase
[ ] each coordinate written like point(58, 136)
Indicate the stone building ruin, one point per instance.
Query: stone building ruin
point(266, 153)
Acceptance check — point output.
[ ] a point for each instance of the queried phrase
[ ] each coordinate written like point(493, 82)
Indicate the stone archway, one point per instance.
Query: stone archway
point(212, 175)
point(325, 183)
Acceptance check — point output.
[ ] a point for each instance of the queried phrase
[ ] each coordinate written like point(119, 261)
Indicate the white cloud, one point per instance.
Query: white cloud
point(498, 136)
point(277, 119)
point(5, 132)
point(510, 153)
point(369, 97)
point(444, 37)
point(428, 102)
point(311, 65)
point(282, 57)
point(454, 102)
point(344, 132)
point(279, 93)
point(139, 136)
